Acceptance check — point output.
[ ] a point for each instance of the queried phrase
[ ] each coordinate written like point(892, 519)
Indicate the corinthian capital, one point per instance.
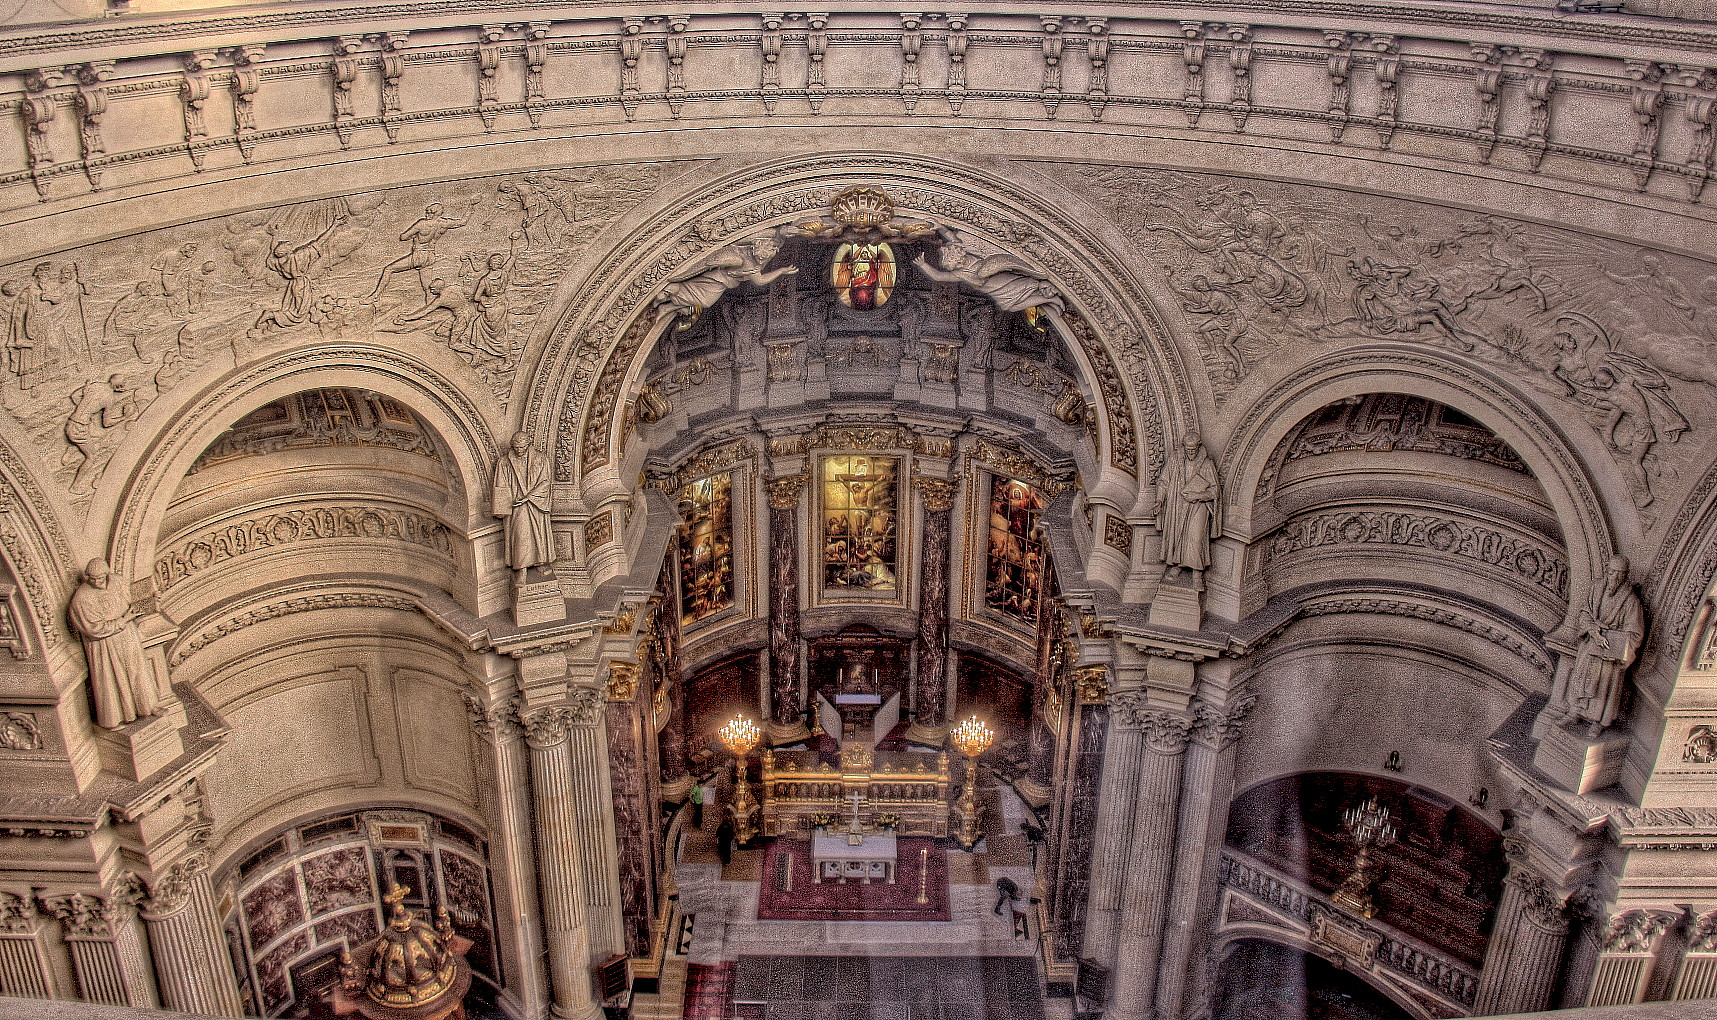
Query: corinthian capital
point(784, 492)
point(1543, 907)
point(82, 915)
point(1165, 732)
point(170, 892)
point(544, 727)
point(1218, 723)
point(938, 493)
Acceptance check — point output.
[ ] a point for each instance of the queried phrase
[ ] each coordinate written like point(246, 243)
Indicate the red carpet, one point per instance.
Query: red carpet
point(790, 895)
point(709, 991)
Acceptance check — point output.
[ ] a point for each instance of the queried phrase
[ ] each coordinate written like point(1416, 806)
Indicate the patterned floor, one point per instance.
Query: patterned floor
point(886, 988)
point(789, 893)
point(709, 991)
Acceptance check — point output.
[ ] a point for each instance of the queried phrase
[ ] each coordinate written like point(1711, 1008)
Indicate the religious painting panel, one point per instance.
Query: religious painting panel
point(1015, 563)
point(706, 547)
point(860, 523)
point(864, 275)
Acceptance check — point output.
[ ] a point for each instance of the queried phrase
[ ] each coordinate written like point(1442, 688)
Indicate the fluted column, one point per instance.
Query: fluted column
point(1150, 857)
point(503, 770)
point(565, 933)
point(1524, 961)
point(106, 949)
point(593, 806)
point(1115, 807)
point(786, 712)
point(1207, 787)
point(192, 967)
point(930, 685)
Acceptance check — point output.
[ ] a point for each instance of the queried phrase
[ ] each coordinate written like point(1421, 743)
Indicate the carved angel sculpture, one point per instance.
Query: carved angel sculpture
point(1005, 279)
point(702, 285)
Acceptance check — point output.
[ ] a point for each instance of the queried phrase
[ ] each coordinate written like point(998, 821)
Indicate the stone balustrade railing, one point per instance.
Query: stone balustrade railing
point(1405, 957)
point(1596, 100)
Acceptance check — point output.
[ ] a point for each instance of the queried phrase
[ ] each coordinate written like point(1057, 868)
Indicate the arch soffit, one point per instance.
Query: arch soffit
point(1562, 464)
point(1388, 777)
point(163, 457)
point(590, 360)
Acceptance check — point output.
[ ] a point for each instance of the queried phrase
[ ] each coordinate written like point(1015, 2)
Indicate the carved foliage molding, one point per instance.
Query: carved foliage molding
point(1165, 732)
point(1535, 563)
point(316, 524)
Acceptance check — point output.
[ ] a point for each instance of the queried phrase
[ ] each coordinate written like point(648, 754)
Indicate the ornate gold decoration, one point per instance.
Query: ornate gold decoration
point(709, 460)
point(741, 735)
point(971, 737)
point(622, 681)
point(784, 492)
point(599, 530)
point(1368, 825)
point(624, 620)
point(1016, 464)
point(938, 493)
point(410, 963)
point(1118, 534)
point(1093, 684)
point(862, 207)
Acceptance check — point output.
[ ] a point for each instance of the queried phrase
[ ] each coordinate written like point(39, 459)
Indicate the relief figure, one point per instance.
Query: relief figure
point(120, 679)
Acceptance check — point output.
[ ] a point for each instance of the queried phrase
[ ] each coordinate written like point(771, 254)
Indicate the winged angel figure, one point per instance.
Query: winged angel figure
point(1005, 279)
point(696, 288)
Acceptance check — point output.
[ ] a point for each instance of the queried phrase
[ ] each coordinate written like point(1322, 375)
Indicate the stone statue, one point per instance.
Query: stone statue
point(1611, 628)
point(1005, 279)
point(120, 679)
point(1189, 494)
point(697, 288)
point(522, 499)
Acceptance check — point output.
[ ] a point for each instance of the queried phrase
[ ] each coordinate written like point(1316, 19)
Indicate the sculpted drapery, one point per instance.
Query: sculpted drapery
point(1188, 510)
point(120, 679)
point(522, 498)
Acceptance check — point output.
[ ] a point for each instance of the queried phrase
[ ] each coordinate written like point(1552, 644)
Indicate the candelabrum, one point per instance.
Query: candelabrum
point(741, 735)
point(972, 737)
point(1369, 827)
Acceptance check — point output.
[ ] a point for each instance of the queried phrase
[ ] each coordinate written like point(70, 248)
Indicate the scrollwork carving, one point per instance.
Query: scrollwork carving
point(1636, 931)
point(1165, 732)
point(938, 493)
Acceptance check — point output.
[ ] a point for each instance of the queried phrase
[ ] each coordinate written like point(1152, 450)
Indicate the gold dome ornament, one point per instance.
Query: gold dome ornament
point(410, 972)
point(862, 207)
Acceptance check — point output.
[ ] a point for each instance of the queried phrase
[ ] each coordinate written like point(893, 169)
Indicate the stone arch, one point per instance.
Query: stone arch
point(163, 458)
point(1572, 468)
point(1261, 933)
point(590, 363)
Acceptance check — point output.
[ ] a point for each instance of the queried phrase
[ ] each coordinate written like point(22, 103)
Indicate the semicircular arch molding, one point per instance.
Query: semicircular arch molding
point(140, 506)
point(1572, 469)
point(591, 360)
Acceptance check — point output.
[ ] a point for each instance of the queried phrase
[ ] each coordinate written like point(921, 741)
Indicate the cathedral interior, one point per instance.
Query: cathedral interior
point(1147, 510)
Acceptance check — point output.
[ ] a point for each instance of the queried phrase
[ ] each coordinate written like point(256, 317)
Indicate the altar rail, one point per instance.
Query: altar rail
point(912, 785)
point(1404, 958)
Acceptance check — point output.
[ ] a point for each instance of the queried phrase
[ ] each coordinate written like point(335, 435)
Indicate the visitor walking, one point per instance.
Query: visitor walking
point(724, 841)
point(1006, 892)
point(697, 804)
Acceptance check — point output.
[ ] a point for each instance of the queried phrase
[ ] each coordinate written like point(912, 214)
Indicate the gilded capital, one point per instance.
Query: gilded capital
point(1093, 684)
point(622, 681)
point(938, 493)
point(784, 492)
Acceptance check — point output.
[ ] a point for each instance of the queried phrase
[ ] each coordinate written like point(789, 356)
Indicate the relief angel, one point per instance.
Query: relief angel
point(1005, 279)
point(701, 285)
point(1625, 389)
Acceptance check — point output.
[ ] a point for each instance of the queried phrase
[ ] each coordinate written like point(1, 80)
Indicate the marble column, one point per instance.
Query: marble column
point(559, 872)
point(1115, 807)
point(1150, 855)
point(192, 967)
point(1206, 789)
point(786, 711)
point(598, 849)
point(503, 771)
point(665, 665)
point(1524, 961)
point(930, 685)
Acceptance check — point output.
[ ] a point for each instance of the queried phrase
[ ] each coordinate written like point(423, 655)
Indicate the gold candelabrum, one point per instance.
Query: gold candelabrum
point(971, 737)
point(741, 735)
point(1369, 827)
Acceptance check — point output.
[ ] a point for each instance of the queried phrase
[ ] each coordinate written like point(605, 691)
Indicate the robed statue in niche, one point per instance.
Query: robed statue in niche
point(1188, 509)
point(1611, 628)
point(120, 679)
point(863, 275)
point(521, 498)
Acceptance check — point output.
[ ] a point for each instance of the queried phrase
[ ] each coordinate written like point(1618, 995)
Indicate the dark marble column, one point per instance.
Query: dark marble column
point(930, 685)
point(786, 711)
point(665, 667)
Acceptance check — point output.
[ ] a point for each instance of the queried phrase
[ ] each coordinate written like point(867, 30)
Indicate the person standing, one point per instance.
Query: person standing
point(697, 804)
point(724, 841)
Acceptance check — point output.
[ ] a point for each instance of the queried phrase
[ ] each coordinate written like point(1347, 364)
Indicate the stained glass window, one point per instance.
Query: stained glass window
point(859, 523)
point(1016, 557)
point(706, 547)
point(863, 275)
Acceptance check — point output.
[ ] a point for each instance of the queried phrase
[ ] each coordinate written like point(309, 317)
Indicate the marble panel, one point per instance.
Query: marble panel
point(355, 926)
point(271, 972)
point(462, 878)
point(272, 908)
point(337, 879)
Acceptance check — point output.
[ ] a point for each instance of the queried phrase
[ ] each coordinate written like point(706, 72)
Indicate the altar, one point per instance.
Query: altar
point(837, 858)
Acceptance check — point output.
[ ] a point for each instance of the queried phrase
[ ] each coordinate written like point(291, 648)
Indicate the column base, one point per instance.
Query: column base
point(1577, 762)
point(677, 790)
point(929, 736)
point(795, 732)
point(590, 1012)
point(538, 602)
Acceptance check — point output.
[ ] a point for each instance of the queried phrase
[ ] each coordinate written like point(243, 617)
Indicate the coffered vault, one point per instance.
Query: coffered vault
point(1407, 308)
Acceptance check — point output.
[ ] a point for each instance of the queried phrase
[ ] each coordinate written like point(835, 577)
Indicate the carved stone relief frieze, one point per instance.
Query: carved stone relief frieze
point(1536, 563)
point(268, 531)
point(94, 336)
point(1616, 331)
point(19, 732)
